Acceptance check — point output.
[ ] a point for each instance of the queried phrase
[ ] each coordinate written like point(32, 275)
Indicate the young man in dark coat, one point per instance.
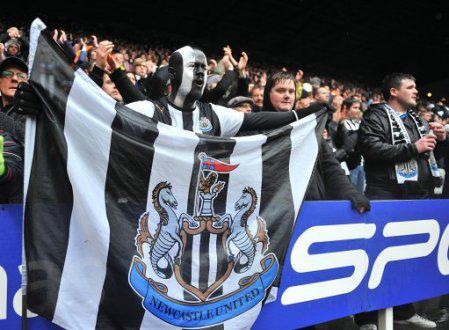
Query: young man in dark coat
point(398, 149)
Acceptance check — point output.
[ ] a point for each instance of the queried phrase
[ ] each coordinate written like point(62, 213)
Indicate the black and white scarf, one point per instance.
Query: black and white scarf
point(408, 170)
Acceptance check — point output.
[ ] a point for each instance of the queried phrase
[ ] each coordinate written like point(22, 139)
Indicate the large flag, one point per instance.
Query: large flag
point(133, 224)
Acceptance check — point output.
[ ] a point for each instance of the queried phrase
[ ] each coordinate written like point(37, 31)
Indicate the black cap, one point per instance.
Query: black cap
point(239, 100)
point(13, 61)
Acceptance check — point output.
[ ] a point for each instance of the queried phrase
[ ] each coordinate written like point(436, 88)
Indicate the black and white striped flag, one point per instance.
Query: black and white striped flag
point(135, 224)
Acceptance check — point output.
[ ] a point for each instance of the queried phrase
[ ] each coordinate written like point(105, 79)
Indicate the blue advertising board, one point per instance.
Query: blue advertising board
point(10, 274)
point(338, 263)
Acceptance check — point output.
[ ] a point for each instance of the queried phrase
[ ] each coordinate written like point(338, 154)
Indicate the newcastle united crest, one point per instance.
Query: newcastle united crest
point(201, 267)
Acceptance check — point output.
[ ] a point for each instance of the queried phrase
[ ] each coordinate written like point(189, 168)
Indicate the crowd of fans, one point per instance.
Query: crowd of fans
point(131, 72)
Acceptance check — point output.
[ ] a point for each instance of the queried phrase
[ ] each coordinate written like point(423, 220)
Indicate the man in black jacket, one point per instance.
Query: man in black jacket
point(398, 145)
point(12, 71)
point(399, 163)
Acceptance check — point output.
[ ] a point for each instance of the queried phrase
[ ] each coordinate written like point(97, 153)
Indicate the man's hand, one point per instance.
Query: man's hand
point(113, 65)
point(438, 130)
point(62, 37)
point(54, 35)
point(243, 62)
point(95, 41)
point(103, 51)
point(26, 100)
point(227, 63)
point(426, 143)
point(13, 32)
point(228, 52)
point(360, 203)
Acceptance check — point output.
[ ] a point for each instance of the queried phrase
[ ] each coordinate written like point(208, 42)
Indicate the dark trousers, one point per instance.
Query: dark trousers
point(380, 192)
point(396, 191)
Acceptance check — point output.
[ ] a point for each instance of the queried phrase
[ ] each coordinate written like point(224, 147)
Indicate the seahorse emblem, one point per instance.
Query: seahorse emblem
point(157, 247)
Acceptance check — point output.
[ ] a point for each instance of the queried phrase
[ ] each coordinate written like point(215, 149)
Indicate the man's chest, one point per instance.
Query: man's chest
point(198, 121)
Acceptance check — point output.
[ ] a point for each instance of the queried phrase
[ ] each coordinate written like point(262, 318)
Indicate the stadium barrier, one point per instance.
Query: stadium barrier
point(338, 263)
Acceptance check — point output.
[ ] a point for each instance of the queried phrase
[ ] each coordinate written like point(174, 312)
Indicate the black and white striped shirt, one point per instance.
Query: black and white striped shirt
point(352, 124)
point(207, 119)
point(211, 119)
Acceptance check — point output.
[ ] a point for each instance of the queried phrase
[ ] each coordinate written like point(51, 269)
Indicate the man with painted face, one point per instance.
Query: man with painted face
point(182, 108)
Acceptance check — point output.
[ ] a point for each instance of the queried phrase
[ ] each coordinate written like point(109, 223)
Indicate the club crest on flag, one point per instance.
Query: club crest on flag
point(186, 280)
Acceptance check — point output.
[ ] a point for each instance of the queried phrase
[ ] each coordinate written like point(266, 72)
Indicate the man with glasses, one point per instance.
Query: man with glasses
point(12, 71)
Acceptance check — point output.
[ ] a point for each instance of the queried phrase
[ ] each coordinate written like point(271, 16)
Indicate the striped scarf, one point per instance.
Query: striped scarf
point(408, 170)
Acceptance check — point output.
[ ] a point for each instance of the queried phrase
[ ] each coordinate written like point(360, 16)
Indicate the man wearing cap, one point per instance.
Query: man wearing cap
point(241, 104)
point(12, 71)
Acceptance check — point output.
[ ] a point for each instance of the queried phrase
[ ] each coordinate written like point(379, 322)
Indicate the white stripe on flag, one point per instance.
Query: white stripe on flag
point(36, 28)
point(174, 151)
point(89, 115)
point(212, 260)
point(30, 125)
point(195, 277)
point(248, 154)
point(302, 157)
point(30, 132)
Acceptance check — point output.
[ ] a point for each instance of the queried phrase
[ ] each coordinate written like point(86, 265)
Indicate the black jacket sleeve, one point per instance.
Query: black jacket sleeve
point(11, 180)
point(68, 50)
point(265, 120)
point(214, 95)
point(374, 140)
point(336, 183)
point(129, 92)
point(242, 86)
point(13, 126)
point(340, 155)
point(97, 75)
point(342, 139)
point(24, 46)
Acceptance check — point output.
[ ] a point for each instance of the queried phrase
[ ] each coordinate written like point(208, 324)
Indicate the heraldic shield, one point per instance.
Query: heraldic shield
point(202, 267)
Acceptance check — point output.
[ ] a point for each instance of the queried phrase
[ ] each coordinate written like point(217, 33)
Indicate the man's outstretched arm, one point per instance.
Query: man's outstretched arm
point(259, 121)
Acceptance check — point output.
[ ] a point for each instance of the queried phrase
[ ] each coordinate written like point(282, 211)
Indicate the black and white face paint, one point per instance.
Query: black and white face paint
point(187, 72)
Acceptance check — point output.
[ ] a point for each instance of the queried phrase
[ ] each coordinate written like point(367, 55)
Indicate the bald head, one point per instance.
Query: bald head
point(187, 73)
